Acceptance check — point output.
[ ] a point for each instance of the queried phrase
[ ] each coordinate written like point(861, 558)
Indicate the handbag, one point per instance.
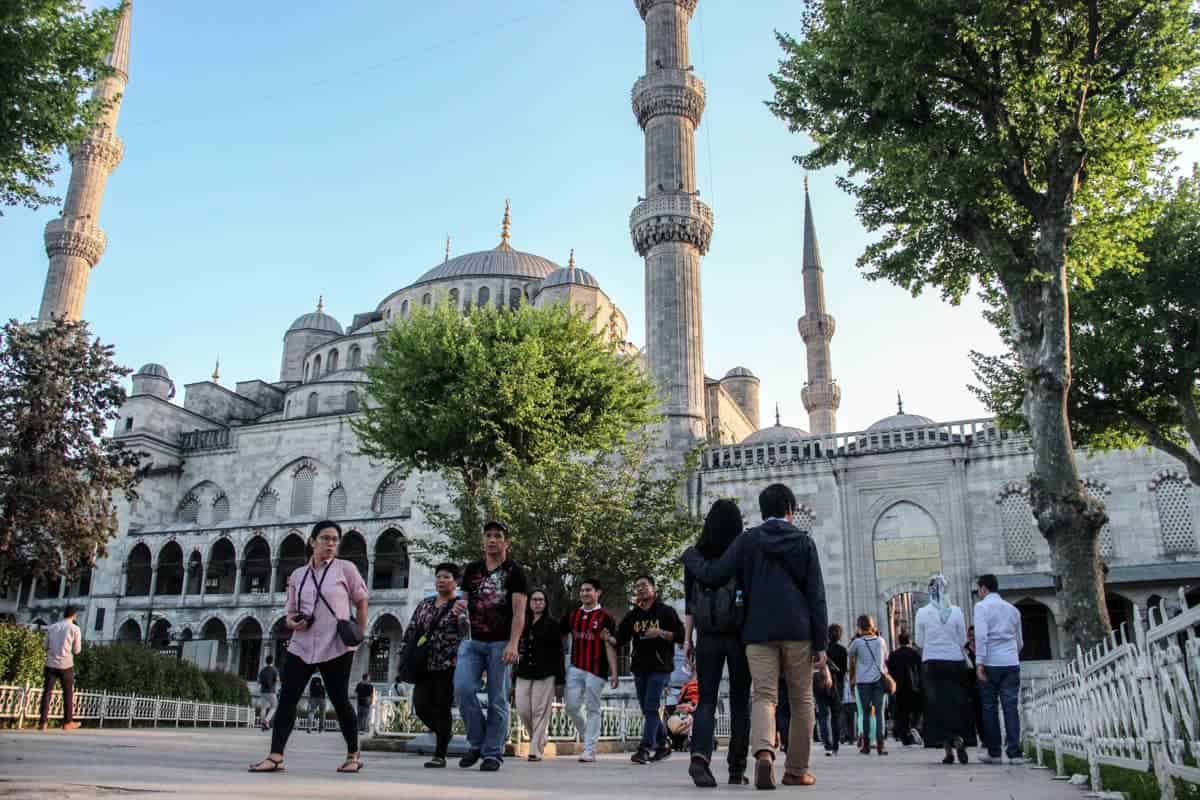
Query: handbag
point(414, 661)
point(889, 683)
point(348, 630)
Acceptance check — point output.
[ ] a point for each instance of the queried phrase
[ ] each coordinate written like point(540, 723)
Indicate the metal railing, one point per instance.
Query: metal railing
point(1129, 704)
point(23, 705)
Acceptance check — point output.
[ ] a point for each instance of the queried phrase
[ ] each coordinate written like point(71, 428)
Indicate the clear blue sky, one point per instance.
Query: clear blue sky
point(279, 151)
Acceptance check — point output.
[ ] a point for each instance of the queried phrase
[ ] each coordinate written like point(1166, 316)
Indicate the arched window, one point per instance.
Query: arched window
point(220, 511)
point(138, 571)
point(256, 566)
point(389, 497)
point(306, 372)
point(485, 295)
point(249, 649)
point(302, 490)
point(1107, 546)
point(337, 502)
point(454, 297)
point(352, 400)
point(189, 509)
point(316, 373)
point(222, 568)
point(1172, 497)
point(331, 363)
point(404, 310)
point(1016, 520)
point(514, 298)
point(268, 504)
point(355, 357)
point(311, 409)
point(426, 299)
point(292, 555)
point(1037, 631)
point(391, 561)
point(354, 548)
point(170, 570)
point(195, 572)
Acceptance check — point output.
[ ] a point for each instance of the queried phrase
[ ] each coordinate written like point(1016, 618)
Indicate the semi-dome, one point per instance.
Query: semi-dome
point(775, 433)
point(317, 321)
point(900, 420)
point(498, 263)
point(571, 274)
point(740, 372)
point(155, 370)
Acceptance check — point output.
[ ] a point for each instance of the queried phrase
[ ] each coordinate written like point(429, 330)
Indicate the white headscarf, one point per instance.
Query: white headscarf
point(938, 597)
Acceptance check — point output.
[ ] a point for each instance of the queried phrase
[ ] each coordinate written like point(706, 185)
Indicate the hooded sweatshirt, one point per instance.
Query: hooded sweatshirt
point(780, 573)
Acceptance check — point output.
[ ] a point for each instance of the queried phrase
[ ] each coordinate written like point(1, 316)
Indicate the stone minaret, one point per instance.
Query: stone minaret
point(74, 241)
point(671, 228)
point(821, 396)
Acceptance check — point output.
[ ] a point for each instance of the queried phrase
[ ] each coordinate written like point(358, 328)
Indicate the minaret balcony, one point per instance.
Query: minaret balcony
point(672, 217)
point(816, 327)
point(72, 236)
point(101, 147)
point(675, 92)
point(821, 395)
point(644, 6)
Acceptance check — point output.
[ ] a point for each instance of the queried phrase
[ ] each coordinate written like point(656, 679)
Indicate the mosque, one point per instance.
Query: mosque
point(240, 473)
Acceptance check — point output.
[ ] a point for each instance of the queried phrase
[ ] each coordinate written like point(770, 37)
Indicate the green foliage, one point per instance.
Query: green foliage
point(59, 392)
point(469, 394)
point(609, 516)
point(51, 54)
point(22, 655)
point(1135, 344)
point(134, 669)
point(227, 687)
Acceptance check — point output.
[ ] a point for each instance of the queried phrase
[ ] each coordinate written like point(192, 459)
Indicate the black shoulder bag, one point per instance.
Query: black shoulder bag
point(414, 661)
point(349, 631)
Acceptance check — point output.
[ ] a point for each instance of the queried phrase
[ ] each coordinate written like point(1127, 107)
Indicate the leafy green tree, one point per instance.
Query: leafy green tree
point(468, 395)
point(1135, 345)
point(609, 516)
point(1005, 144)
point(59, 392)
point(52, 52)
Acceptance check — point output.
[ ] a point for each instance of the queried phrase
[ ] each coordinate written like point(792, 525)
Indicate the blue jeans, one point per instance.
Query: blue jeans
point(485, 734)
point(872, 695)
point(1003, 683)
point(650, 687)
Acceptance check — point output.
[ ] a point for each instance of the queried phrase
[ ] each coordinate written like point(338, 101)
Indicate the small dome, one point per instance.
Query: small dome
point(740, 372)
point(775, 433)
point(900, 420)
point(316, 321)
point(499, 263)
point(571, 275)
point(153, 370)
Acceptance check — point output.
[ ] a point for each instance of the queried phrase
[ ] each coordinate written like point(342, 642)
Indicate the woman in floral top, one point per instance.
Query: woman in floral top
point(433, 694)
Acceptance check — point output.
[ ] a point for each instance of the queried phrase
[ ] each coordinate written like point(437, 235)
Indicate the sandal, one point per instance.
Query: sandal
point(351, 764)
point(276, 765)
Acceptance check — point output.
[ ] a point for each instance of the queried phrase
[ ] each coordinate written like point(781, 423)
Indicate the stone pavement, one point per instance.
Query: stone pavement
point(206, 764)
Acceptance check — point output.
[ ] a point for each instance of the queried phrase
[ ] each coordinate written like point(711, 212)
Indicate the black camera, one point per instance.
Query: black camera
point(305, 618)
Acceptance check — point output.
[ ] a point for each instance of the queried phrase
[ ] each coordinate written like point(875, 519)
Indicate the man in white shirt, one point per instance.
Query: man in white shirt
point(998, 644)
point(63, 643)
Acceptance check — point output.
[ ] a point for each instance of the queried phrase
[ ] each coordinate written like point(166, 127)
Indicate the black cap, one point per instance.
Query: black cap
point(495, 524)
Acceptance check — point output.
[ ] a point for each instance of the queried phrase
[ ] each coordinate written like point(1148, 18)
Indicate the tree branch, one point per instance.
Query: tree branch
point(1160, 442)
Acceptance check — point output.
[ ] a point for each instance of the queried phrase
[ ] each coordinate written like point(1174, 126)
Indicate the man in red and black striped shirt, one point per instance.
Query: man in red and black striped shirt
point(593, 659)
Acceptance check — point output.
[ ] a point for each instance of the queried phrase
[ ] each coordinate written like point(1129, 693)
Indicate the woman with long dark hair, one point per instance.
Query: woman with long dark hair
point(539, 668)
point(714, 613)
point(319, 595)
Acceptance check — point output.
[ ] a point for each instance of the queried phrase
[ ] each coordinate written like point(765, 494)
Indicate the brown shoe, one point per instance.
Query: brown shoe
point(803, 779)
point(70, 726)
point(881, 748)
point(41, 726)
point(764, 773)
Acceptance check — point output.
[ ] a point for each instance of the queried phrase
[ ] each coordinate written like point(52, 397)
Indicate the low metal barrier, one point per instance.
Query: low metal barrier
point(22, 704)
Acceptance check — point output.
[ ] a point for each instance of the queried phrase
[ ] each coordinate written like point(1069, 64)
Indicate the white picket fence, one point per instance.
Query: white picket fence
point(1126, 703)
point(23, 704)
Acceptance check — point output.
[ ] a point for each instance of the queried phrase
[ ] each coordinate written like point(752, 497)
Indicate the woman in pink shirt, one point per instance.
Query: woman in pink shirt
point(319, 594)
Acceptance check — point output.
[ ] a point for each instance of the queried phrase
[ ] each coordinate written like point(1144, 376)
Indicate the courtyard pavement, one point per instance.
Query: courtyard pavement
point(207, 764)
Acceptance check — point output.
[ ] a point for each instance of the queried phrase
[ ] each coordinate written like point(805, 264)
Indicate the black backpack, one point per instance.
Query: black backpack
point(716, 609)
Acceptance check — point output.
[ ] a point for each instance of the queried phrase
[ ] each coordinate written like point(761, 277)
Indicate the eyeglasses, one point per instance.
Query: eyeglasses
point(327, 539)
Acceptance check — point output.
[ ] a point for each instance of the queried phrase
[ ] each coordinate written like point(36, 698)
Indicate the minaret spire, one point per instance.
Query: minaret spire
point(74, 241)
point(447, 247)
point(821, 394)
point(671, 228)
point(505, 227)
point(216, 376)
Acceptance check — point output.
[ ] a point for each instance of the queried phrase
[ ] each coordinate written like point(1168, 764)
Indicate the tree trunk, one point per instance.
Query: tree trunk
point(1068, 517)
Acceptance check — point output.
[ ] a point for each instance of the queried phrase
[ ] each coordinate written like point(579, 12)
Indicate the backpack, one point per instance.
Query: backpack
point(717, 609)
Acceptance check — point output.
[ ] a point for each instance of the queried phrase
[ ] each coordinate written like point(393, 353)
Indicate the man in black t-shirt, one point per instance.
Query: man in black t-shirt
point(316, 704)
point(365, 692)
point(492, 609)
point(268, 681)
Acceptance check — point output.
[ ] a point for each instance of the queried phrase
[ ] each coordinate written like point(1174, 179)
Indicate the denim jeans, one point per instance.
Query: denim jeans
point(829, 716)
point(650, 687)
point(485, 734)
point(583, 692)
point(713, 653)
point(872, 695)
point(1003, 684)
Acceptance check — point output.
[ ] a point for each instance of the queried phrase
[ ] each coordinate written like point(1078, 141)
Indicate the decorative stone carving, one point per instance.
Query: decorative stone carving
point(104, 150)
point(671, 218)
point(814, 327)
point(644, 6)
point(668, 92)
point(75, 237)
point(821, 395)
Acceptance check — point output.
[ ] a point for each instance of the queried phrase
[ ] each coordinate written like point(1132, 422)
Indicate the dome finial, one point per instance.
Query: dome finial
point(806, 183)
point(321, 304)
point(777, 422)
point(571, 260)
point(216, 376)
point(899, 403)
point(447, 247)
point(505, 225)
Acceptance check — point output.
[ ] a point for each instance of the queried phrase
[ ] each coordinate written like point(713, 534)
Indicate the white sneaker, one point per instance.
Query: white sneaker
point(986, 759)
point(1016, 762)
point(587, 758)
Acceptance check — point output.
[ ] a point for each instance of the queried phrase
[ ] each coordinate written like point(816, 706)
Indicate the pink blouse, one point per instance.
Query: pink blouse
point(343, 587)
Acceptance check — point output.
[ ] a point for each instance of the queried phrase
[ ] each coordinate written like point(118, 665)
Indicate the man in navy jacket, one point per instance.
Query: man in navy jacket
point(786, 626)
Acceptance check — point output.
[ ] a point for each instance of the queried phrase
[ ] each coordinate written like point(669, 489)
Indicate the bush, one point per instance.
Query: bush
point(133, 669)
point(22, 655)
point(227, 688)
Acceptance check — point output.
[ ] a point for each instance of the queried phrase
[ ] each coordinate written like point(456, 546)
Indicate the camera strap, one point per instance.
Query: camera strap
point(316, 583)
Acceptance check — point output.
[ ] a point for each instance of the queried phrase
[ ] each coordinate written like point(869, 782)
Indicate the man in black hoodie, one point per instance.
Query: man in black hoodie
point(786, 627)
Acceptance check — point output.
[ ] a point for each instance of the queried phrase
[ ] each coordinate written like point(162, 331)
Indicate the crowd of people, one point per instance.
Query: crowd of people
point(754, 610)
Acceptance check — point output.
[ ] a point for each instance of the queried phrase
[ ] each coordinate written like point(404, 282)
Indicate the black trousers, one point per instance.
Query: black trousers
point(67, 676)
point(296, 675)
point(713, 655)
point(908, 710)
point(431, 698)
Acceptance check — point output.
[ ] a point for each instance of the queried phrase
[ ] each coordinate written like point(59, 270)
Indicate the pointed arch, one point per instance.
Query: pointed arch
point(293, 552)
point(354, 360)
point(310, 407)
point(389, 496)
point(1173, 501)
point(222, 567)
point(188, 511)
point(1017, 523)
point(130, 632)
point(353, 548)
point(220, 508)
point(195, 572)
point(331, 362)
point(303, 478)
point(170, 570)
point(352, 400)
point(256, 566)
point(391, 561)
point(267, 504)
point(138, 571)
point(1098, 490)
point(335, 505)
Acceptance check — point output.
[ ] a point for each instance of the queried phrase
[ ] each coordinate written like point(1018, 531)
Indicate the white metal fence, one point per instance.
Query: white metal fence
point(1126, 703)
point(22, 705)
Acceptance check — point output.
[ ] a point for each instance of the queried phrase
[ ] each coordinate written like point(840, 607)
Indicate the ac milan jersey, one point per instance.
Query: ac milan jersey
point(587, 643)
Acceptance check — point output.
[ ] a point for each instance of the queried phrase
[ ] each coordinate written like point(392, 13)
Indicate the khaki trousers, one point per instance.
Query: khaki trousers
point(534, 699)
point(794, 659)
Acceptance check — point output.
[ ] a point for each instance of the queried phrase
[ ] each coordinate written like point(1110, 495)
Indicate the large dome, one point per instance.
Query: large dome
point(901, 420)
point(154, 371)
point(317, 321)
point(502, 262)
point(776, 433)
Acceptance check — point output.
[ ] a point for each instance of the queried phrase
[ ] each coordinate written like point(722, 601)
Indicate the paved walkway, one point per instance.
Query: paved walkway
point(205, 764)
